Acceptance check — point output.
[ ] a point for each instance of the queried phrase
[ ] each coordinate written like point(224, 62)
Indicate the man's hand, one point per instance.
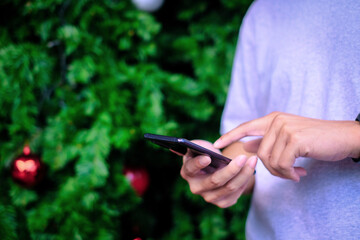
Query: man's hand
point(224, 186)
point(287, 137)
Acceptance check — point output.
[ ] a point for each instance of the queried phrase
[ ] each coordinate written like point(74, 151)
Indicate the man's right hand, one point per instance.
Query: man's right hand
point(223, 187)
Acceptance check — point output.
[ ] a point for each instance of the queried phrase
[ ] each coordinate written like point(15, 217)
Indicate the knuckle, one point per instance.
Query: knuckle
point(183, 173)
point(209, 198)
point(294, 138)
point(215, 181)
point(194, 189)
point(280, 119)
point(278, 115)
point(226, 203)
point(273, 172)
point(285, 129)
point(262, 155)
point(273, 164)
point(231, 187)
point(221, 204)
point(275, 113)
point(283, 166)
point(306, 151)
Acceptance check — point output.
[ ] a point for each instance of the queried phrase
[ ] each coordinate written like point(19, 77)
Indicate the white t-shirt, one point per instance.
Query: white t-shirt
point(300, 57)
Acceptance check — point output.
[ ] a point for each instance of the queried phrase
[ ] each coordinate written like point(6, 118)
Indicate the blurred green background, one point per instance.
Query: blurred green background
point(81, 82)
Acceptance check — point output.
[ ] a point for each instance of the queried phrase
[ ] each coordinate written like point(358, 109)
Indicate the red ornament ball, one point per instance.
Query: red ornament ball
point(138, 178)
point(27, 169)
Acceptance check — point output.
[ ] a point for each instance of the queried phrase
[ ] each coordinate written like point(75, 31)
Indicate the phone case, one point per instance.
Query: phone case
point(180, 146)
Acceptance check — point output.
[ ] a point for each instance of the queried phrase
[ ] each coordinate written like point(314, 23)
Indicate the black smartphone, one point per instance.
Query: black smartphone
point(181, 145)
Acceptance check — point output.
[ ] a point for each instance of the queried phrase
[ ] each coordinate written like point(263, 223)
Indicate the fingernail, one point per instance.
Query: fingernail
point(301, 172)
point(204, 161)
point(217, 143)
point(252, 161)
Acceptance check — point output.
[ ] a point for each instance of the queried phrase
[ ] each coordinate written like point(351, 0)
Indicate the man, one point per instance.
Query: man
point(296, 85)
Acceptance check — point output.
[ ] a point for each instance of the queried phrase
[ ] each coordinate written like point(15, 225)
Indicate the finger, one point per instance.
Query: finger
point(270, 153)
point(267, 144)
point(229, 200)
point(188, 155)
point(225, 196)
point(255, 127)
point(225, 174)
point(246, 172)
point(287, 161)
point(240, 180)
point(202, 183)
point(301, 171)
point(192, 166)
point(210, 182)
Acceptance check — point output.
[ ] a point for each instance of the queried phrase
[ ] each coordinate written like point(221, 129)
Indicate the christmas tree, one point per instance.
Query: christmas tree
point(80, 83)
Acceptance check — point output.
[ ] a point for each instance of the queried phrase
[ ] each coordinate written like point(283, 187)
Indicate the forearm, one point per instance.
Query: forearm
point(235, 149)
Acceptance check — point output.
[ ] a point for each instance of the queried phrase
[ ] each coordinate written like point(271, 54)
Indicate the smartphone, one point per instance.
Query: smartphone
point(181, 145)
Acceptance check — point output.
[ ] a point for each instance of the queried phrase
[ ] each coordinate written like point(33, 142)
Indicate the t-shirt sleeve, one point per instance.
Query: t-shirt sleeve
point(240, 104)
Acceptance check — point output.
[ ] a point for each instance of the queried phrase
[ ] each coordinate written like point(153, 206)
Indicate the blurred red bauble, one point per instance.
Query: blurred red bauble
point(138, 178)
point(27, 169)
